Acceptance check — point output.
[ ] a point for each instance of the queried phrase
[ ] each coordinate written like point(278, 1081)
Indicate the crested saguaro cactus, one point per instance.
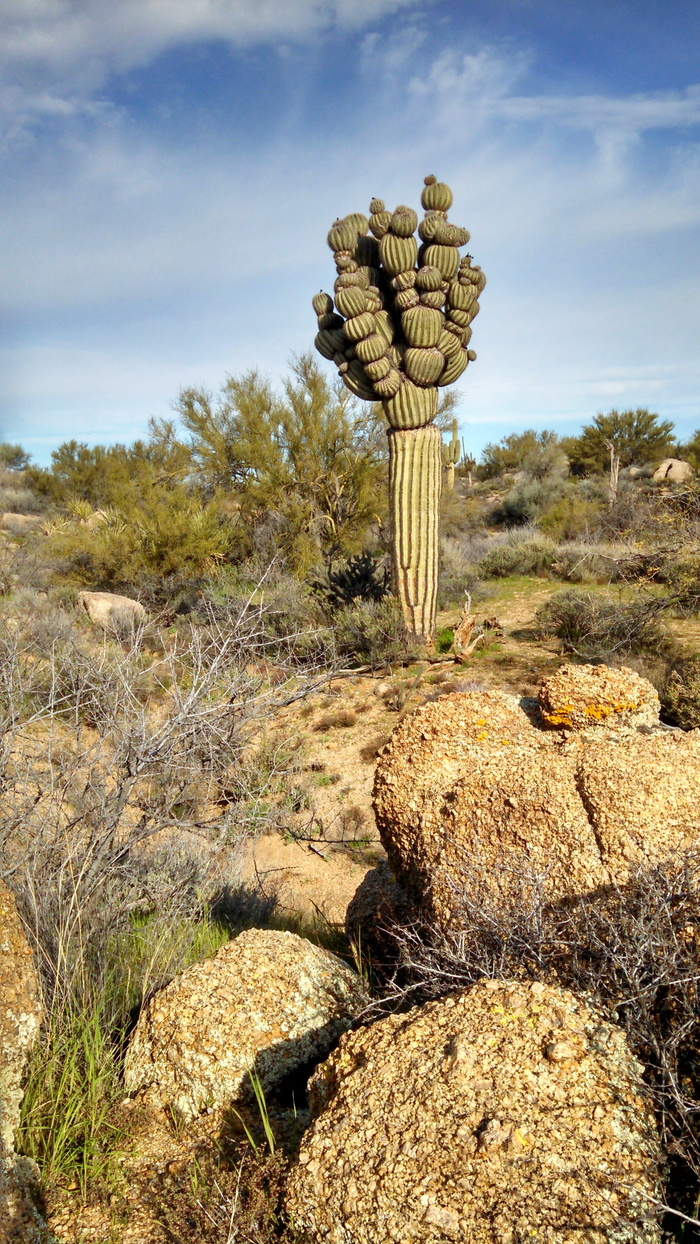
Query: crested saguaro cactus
point(400, 330)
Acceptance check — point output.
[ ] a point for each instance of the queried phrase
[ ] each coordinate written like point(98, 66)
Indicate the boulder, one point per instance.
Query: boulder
point(111, 612)
point(477, 791)
point(20, 524)
point(640, 793)
point(673, 471)
point(504, 1113)
point(269, 1001)
point(20, 1017)
point(579, 697)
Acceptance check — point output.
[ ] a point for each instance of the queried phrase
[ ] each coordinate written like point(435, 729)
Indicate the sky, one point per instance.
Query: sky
point(170, 169)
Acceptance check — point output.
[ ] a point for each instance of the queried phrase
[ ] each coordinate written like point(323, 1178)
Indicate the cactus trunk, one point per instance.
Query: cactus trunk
point(415, 466)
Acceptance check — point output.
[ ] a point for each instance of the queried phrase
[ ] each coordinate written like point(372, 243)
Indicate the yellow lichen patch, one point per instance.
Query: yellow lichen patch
point(580, 696)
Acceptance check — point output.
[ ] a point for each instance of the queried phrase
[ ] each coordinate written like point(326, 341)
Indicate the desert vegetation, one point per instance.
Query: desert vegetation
point(144, 758)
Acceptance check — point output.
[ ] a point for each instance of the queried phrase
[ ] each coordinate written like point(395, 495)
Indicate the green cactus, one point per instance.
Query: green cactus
point(400, 329)
point(414, 494)
point(450, 458)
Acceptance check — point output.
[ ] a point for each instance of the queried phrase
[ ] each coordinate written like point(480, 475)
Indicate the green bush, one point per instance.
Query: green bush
point(171, 532)
point(445, 639)
point(373, 632)
point(570, 516)
point(597, 628)
point(531, 554)
point(527, 501)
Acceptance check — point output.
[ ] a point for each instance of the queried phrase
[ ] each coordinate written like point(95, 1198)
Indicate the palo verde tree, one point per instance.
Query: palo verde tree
point(400, 329)
point(310, 460)
point(638, 437)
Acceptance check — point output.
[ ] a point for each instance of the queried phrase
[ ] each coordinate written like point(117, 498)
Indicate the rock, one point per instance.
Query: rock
point(268, 1000)
point(377, 905)
point(430, 753)
point(641, 796)
point(112, 613)
point(20, 524)
point(673, 471)
point(579, 697)
point(481, 794)
point(20, 1017)
point(507, 1112)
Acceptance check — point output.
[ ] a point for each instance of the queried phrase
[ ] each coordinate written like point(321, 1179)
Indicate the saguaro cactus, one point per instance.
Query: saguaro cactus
point(400, 330)
point(450, 458)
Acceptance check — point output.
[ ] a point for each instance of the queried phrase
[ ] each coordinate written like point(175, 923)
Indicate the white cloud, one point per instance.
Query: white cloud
point(155, 265)
point(88, 38)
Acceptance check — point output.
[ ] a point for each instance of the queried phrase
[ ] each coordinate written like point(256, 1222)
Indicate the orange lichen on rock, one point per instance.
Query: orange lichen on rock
point(510, 810)
point(579, 696)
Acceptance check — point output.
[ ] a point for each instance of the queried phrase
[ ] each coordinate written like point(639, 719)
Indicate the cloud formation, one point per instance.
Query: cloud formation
point(94, 37)
point(140, 258)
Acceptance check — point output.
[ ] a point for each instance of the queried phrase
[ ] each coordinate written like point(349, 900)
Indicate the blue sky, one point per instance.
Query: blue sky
point(170, 169)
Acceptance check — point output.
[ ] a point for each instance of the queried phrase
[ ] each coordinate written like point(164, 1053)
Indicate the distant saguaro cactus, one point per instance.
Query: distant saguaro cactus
point(450, 457)
point(401, 329)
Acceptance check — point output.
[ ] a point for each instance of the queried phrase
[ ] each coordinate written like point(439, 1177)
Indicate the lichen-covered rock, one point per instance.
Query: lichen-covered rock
point(506, 1113)
point(431, 756)
point(377, 905)
point(514, 827)
point(477, 792)
point(578, 697)
point(640, 792)
point(20, 1017)
point(269, 1001)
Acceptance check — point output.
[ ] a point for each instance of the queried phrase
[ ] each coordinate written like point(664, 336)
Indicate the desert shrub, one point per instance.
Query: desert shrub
point(633, 514)
point(289, 615)
point(583, 563)
point(373, 633)
point(527, 501)
point(518, 555)
point(633, 950)
point(360, 578)
point(217, 1194)
point(458, 577)
point(596, 627)
point(569, 516)
point(49, 669)
point(20, 501)
point(680, 694)
point(113, 845)
point(167, 532)
point(341, 718)
point(539, 453)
